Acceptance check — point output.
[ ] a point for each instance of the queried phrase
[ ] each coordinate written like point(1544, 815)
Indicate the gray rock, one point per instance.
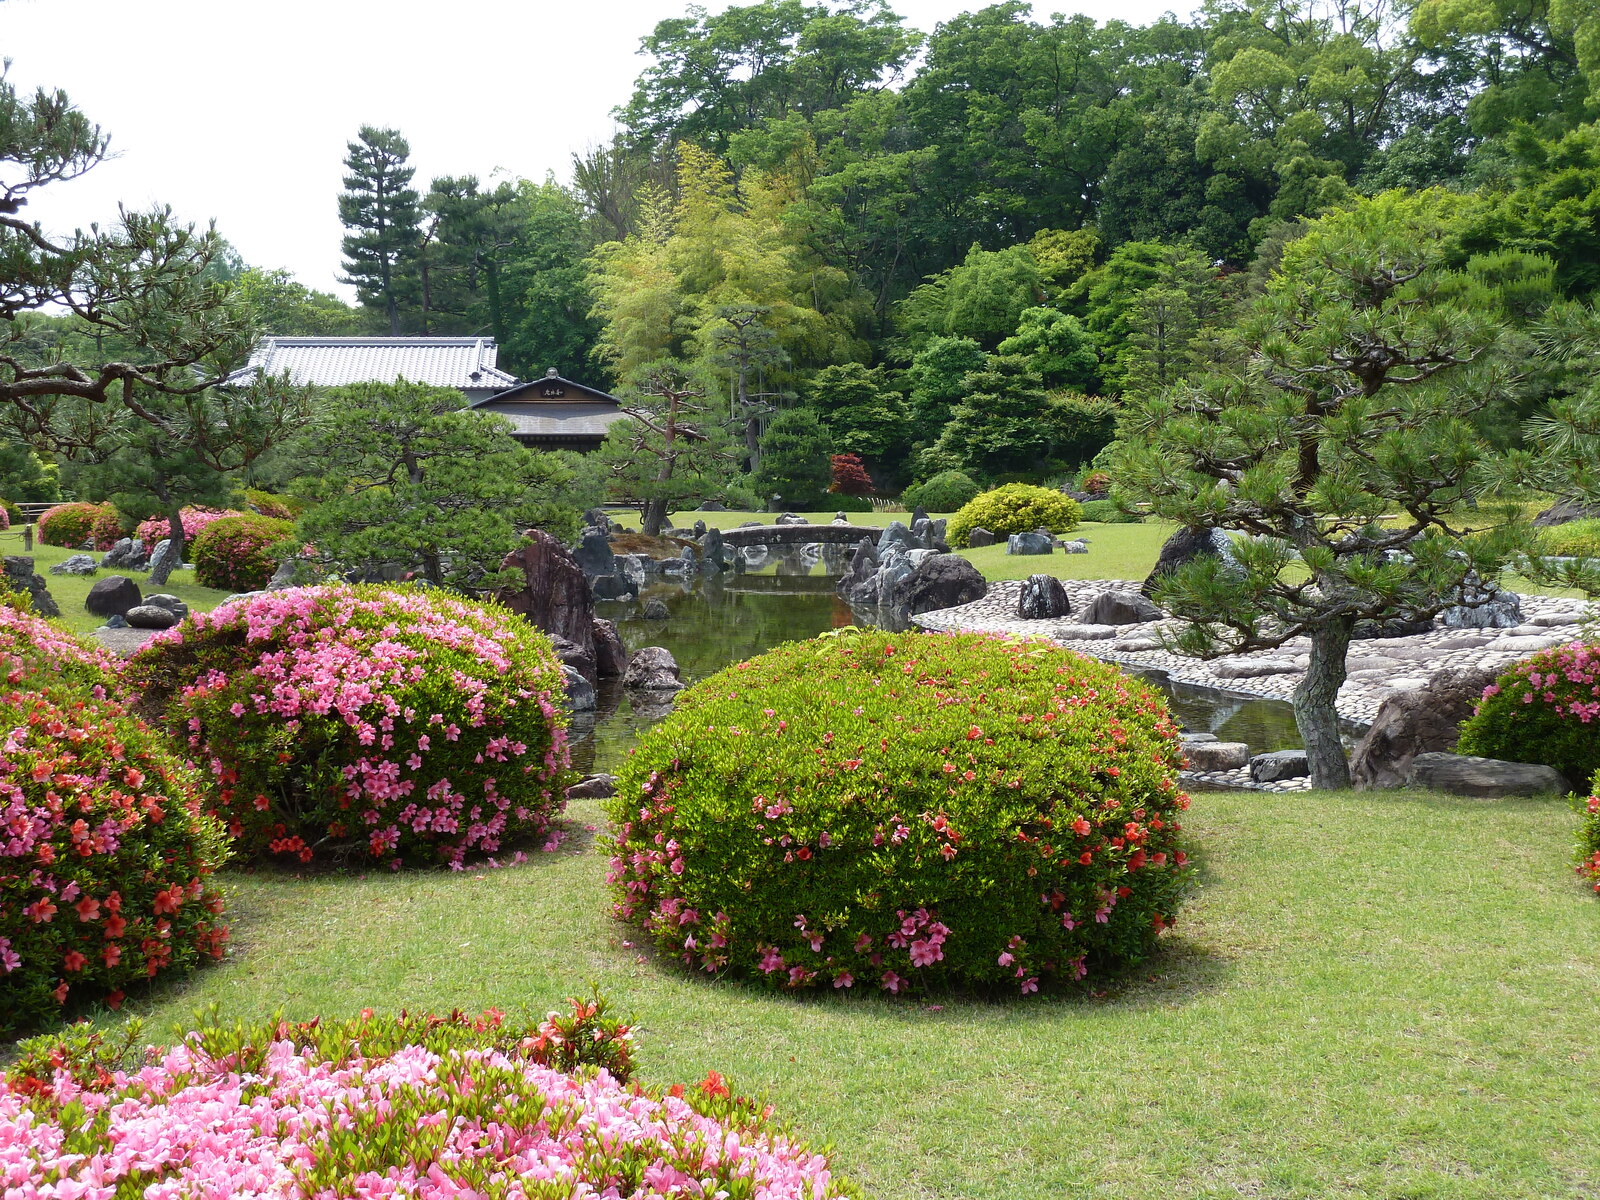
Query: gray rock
point(655, 609)
point(918, 514)
point(21, 578)
point(594, 554)
point(172, 604)
point(1483, 606)
point(1567, 510)
point(653, 669)
point(575, 655)
point(150, 616)
point(698, 529)
point(237, 596)
point(163, 561)
point(1076, 546)
point(610, 655)
point(77, 564)
point(859, 584)
point(1188, 738)
point(790, 518)
point(1556, 620)
point(112, 596)
point(1216, 756)
point(712, 506)
point(580, 692)
point(596, 518)
point(936, 581)
point(1528, 644)
point(1279, 764)
point(128, 554)
point(1030, 543)
point(713, 552)
point(979, 536)
point(1394, 627)
point(116, 621)
point(840, 518)
point(1042, 597)
point(1488, 778)
point(1187, 544)
point(1252, 668)
point(611, 587)
point(283, 577)
point(1086, 633)
point(895, 533)
point(595, 787)
point(1120, 608)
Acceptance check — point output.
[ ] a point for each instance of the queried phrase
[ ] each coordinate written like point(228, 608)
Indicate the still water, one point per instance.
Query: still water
point(728, 620)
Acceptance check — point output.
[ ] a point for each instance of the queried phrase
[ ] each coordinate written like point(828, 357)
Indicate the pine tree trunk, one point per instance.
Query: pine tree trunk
point(654, 517)
point(1314, 711)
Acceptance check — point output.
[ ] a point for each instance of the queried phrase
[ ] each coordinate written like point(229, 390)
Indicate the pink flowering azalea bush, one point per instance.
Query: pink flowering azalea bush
point(235, 553)
point(5, 517)
point(401, 723)
point(195, 520)
point(1589, 834)
point(895, 811)
point(1544, 709)
point(105, 856)
point(70, 525)
point(433, 1108)
point(34, 653)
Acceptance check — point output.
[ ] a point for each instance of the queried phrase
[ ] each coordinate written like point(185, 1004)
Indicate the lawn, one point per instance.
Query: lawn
point(1376, 995)
point(71, 590)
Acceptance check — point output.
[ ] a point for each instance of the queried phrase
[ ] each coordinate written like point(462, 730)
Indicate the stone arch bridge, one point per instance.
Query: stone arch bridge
point(799, 535)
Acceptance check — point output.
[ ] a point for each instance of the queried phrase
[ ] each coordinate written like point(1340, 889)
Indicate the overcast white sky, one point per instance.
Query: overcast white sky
point(240, 111)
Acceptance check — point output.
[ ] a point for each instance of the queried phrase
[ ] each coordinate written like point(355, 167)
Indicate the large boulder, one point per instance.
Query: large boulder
point(113, 596)
point(593, 787)
point(1187, 544)
point(1120, 608)
point(76, 564)
point(1216, 756)
point(172, 604)
point(655, 609)
point(554, 595)
point(896, 533)
point(610, 655)
point(1567, 510)
point(653, 669)
point(859, 584)
point(571, 654)
point(979, 536)
point(713, 551)
point(1042, 597)
point(150, 616)
point(21, 578)
point(1488, 778)
point(1278, 765)
point(1418, 721)
point(1483, 605)
point(1035, 542)
point(128, 554)
point(938, 581)
point(594, 555)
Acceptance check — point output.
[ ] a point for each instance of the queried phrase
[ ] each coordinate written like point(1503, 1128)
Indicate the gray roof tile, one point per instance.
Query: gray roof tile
point(456, 362)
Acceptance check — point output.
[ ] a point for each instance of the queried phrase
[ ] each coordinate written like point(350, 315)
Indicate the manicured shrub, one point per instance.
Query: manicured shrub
point(269, 504)
point(5, 516)
point(1107, 513)
point(898, 811)
point(1014, 508)
point(428, 1107)
point(235, 553)
point(106, 528)
point(1544, 709)
point(849, 476)
point(946, 492)
point(1589, 834)
point(156, 529)
point(848, 504)
point(34, 653)
point(106, 861)
point(399, 722)
point(70, 525)
point(13, 514)
point(1575, 539)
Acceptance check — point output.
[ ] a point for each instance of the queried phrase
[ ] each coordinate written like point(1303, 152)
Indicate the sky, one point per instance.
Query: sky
point(239, 112)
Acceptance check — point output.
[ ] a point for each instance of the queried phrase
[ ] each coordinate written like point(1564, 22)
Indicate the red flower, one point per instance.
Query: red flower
point(88, 908)
point(74, 961)
point(168, 901)
point(712, 1084)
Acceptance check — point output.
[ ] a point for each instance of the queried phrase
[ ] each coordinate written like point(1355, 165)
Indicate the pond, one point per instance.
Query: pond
point(728, 619)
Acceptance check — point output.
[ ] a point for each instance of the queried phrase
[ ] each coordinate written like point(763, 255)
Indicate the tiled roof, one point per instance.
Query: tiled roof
point(457, 362)
point(555, 418)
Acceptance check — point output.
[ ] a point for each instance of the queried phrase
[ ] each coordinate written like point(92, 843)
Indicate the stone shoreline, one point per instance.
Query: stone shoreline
point(1379, 667)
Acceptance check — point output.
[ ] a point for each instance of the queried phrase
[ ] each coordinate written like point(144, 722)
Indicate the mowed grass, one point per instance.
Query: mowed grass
point(70, 591)
point(1372, 995)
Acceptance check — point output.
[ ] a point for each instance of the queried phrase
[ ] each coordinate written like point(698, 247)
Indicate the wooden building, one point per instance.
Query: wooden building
point(553, 413)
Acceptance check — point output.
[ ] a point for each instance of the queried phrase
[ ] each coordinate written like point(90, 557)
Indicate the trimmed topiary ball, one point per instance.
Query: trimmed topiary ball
point(106, 860)
point(1015, 508)
point(1544, 709)
point(234, 554)
point(34, 653)
point(946, 492)
point(68, 526)
point(402, 723)
point(5, 516)
point(106, 527)
point(897, 811)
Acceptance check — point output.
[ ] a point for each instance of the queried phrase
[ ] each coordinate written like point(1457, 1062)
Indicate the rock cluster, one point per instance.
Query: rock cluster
point(21, 578)
point(76, 564)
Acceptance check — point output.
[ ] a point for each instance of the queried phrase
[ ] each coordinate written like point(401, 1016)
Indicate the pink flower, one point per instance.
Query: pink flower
point(892, 982)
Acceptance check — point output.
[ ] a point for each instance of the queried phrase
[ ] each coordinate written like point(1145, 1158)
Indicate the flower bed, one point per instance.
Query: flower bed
point(1544, 709)
point(895, 811)
point(34, 652)
point(402, 722)
point(155, 529)
point(105, 857)
point(465, 1108)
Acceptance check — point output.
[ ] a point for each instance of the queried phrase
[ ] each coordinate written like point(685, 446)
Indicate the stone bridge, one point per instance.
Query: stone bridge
point(799, 535)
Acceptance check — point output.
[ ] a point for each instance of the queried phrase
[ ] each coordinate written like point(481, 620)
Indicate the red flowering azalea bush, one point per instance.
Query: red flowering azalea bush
point(194, 520)
point(432, 1108)
point(396, 721)
point(34, 652)
point(1589, 833)
point(70, 525)
point(234, 553)
point(105, 857)
point(1544, 709)
point(896, 811)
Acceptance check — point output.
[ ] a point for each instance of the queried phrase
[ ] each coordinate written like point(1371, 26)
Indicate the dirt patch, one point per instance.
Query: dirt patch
point(632, 542)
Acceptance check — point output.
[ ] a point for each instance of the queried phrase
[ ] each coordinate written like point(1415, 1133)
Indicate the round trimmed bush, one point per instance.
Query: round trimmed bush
point(946, 492)
point(106, 528)
point(34, 653)
point(404, 723)
point(1589, 834)
point(1544, 709)
point(68, 526)
point(235, 553)
point(1014, 508)
point(13, 514)
point(155, 529)
point(896, 811)
point(105, 867)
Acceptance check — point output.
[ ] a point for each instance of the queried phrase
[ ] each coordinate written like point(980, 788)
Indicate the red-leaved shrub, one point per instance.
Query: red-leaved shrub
point(396, 721)
point(68, 526)
point(106, 857)
point(234, 553)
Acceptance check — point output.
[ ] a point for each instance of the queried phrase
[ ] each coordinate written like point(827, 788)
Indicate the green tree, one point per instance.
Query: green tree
point(380, 210)
point(282, 305)
point(23, 478)
point(405, 474)
point(1057, 345)
point(982, 299)
point(861, 413)
point(1350, 403)
point(935, 378)
point(1146, 306)
point(995, 428)
point(794, 461)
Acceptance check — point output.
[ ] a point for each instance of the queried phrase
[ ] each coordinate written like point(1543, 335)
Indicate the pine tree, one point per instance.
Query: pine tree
point(381, 210)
